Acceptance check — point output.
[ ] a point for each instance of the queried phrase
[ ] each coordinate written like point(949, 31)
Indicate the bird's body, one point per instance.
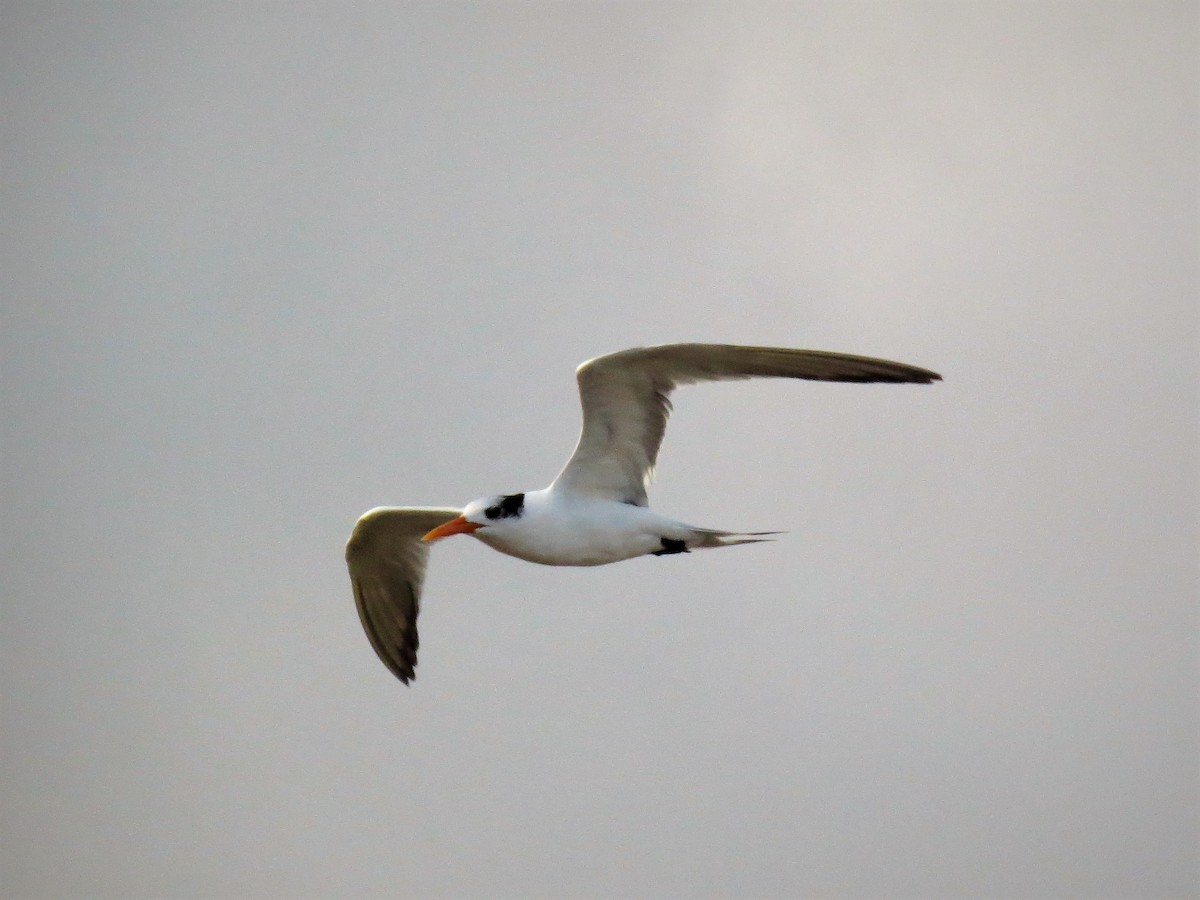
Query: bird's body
point(556, 527)
point(596, 511)
point(561, 529)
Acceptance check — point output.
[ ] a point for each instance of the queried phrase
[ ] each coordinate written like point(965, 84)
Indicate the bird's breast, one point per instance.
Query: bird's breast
point(587, 538)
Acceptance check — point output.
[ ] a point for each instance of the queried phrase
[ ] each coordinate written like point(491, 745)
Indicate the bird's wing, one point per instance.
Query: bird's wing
point(625, 399)
point(387, 560)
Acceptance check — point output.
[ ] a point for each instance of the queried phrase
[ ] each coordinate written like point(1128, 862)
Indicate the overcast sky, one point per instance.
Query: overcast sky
point(269, 265)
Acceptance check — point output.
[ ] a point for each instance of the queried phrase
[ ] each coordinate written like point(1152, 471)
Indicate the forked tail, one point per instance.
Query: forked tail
point(703, 538)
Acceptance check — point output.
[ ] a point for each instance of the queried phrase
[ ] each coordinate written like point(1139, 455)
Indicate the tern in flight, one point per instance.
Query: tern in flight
point(595, 512)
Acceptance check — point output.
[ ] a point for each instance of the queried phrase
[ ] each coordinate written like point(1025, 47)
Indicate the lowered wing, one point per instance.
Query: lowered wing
point(387, 562)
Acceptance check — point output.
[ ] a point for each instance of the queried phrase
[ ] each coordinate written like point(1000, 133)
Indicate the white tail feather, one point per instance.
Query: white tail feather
point(704, 538)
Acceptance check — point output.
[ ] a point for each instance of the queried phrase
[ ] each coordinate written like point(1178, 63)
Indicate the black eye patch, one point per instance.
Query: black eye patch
point(508, 507)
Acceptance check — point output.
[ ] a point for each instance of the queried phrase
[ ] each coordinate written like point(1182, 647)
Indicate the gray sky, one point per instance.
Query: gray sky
point(269, 265)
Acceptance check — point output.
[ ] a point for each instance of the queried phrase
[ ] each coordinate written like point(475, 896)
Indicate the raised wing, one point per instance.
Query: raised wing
point(626, 402)
point(387, 568)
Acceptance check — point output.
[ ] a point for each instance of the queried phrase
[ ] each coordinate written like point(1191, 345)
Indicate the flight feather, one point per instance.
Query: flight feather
point(626, 402)
point(387, 561)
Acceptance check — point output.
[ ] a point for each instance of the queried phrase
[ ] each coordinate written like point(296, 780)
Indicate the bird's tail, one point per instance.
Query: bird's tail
point(703, 538)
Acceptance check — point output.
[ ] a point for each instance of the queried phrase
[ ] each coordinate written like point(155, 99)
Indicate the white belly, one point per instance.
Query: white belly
point(580, 533)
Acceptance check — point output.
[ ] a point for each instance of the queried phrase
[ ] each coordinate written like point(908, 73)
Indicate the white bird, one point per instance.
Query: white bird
point(595, 512)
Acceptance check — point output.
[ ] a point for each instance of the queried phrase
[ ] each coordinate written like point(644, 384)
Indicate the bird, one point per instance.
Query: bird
point(596, 511)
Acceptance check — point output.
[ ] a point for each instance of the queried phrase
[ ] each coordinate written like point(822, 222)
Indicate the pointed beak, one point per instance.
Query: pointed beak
point(454, 526)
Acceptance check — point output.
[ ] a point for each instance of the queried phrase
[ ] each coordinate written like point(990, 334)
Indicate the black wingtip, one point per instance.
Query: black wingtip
point(909, 376)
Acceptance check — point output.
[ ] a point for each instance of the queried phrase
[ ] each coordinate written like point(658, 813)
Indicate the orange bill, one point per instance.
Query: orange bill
point(454, 526)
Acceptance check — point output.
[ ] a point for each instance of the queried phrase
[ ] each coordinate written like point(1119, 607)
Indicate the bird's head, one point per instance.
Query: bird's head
point(482, 513)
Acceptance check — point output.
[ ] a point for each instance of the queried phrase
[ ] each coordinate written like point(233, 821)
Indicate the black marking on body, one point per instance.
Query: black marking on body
point(510, 506)
point(669, 546)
